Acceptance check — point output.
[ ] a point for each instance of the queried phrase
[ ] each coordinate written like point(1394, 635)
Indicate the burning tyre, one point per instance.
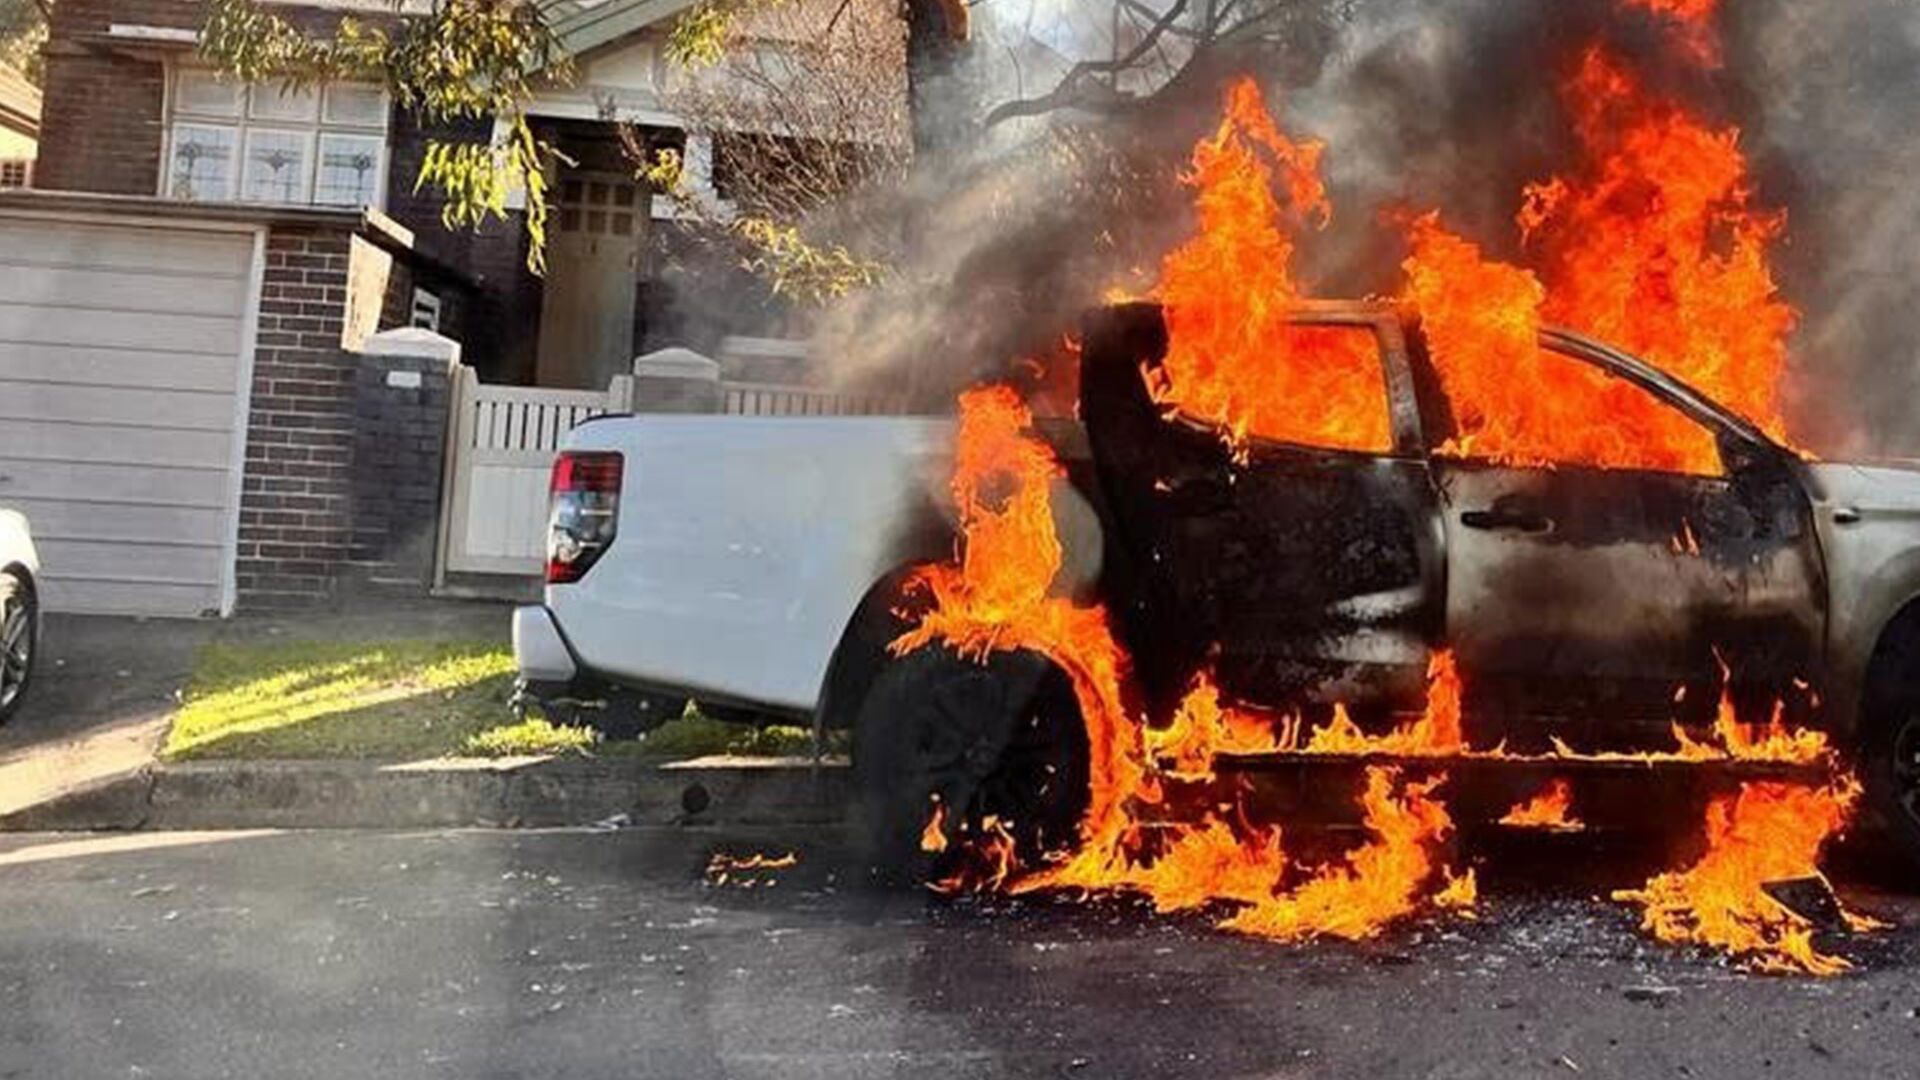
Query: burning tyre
point(948, 747)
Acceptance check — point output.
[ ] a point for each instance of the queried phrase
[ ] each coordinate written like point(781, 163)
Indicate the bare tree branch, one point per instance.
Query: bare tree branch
point(1069, 92)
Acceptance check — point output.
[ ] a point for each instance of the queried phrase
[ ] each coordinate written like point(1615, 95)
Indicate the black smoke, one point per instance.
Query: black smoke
point(1451, 105)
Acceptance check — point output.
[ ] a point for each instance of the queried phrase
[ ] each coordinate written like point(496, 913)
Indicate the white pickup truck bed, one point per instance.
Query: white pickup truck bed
point(744, 545)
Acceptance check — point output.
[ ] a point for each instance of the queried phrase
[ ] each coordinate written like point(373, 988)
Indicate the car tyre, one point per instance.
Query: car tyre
point(19, 638)
point(1892, 750)
point(1003, 737)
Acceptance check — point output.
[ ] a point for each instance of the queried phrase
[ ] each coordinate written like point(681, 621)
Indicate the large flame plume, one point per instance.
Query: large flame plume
point(996, 596)
point(1655, 244)
point(1234, 359)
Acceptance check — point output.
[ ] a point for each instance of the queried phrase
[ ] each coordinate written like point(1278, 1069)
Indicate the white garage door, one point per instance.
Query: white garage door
point(124, 359)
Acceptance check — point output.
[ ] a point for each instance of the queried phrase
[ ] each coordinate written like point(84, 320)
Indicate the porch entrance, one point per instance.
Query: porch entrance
point(595, 237)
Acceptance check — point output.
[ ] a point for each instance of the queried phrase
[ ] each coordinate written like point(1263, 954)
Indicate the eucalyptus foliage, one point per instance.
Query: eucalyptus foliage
point(463, 61)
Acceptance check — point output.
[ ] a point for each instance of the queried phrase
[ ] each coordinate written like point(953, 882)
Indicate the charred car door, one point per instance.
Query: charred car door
point(1297, 573)
point(1600, 602)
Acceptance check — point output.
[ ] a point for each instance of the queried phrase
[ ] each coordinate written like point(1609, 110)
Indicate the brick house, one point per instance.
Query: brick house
point(229, 411)
point(130, 110)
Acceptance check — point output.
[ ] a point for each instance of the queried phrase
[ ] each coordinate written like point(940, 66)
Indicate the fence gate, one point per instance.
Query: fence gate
point(503, 441)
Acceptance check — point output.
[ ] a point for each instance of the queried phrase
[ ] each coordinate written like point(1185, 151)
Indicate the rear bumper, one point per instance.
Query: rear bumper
point(539, 652)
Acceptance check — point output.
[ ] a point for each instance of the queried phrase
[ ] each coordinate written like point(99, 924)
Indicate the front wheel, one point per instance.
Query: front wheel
point(1001, 738)
point(19, 634)
point(1891, 715)
point(1893, 777)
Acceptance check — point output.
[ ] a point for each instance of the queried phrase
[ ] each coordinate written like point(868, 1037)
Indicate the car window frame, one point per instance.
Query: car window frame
point(1729, 431)
point(1396, 381)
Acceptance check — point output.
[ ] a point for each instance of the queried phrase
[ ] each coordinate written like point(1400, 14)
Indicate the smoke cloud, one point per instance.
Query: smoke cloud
point(1424, 105)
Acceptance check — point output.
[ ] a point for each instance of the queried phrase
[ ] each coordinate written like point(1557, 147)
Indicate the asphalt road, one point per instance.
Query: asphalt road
point(578, 954)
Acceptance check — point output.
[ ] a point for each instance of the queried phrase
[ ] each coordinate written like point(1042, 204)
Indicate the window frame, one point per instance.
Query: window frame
point(244, 124)
point(1734, 438)
point(1403, 413)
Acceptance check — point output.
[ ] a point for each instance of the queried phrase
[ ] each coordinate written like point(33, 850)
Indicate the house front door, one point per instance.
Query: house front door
point(593, 257)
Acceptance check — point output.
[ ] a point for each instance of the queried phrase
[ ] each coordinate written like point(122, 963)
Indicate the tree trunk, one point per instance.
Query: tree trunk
point(936, 101)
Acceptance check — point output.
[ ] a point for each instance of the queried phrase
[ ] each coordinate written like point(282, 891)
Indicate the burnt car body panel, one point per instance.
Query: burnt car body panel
point(1579, 601)
point(1594, 597)
point(1298, 574)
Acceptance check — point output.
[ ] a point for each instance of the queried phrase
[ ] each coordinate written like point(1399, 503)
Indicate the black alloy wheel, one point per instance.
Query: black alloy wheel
point(19, 634)
point(1001, 738)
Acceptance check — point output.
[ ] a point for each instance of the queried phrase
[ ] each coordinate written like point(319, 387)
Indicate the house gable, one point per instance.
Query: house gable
point(584, 26)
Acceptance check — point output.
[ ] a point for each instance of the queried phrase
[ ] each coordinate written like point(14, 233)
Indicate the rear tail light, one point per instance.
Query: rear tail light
point(584, 511)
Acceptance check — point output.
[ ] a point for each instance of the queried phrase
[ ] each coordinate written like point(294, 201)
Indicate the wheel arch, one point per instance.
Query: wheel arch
point(1898, 635)
point(861, 652)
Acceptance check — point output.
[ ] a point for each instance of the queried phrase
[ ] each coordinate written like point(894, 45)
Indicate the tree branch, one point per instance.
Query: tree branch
point(1067, 93)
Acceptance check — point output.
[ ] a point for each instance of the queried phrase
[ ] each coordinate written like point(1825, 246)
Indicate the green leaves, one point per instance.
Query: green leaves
point(699, 36)
point(23, 30)
point(467, 60)
point(476, 179)
point(799, 268)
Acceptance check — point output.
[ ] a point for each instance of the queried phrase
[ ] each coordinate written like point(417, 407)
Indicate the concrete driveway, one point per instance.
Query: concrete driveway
point(98, 706)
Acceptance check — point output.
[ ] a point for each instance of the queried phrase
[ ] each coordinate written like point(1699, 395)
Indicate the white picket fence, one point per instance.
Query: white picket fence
point(502, 444)
point(769, 399)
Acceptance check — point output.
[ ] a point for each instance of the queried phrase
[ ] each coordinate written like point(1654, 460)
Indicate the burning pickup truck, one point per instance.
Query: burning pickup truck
point(777, 563)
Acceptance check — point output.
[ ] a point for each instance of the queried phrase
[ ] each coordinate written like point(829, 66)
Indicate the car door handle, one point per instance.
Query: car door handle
point(1513, 520)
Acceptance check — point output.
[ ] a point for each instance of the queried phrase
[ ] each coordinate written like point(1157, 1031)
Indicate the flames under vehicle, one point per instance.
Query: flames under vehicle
point(1596, 606)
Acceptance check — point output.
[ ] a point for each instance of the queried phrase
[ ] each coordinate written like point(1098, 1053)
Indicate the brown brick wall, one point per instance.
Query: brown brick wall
point(100, 126)
point(342, 481)
point(297, 486)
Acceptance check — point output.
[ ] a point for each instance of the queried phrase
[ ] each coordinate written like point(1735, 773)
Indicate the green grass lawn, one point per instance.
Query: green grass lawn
point(405, 700)
point(341, 699)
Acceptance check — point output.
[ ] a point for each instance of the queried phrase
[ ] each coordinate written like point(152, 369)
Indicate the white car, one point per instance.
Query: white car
point(19, 609)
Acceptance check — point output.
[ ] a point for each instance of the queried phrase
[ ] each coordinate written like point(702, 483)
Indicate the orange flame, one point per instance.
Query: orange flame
point(996, 596)
point(1202, 727)
point(1654, 243)
point(743, 871)
point(933, 835)
point(1737, 741)
point(1692, 22)
point(1515, 403)
point(1548, 809)
point(1436, 732)
point(1378, 883)
point(1675, 245)
point(1768, 832)
point(1234, 359)
point(987, 864)
point(1209, 863)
